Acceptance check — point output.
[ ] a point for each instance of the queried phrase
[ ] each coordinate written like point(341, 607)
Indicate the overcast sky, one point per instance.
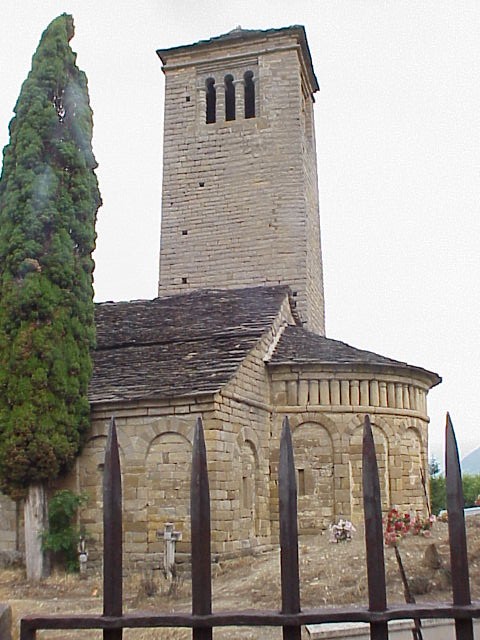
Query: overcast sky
point(398, 143)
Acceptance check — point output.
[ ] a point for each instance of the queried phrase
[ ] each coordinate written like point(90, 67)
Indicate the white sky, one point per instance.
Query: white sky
point(398, 122)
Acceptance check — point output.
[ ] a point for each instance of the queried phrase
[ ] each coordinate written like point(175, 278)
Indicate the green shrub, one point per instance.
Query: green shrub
point(438, 495)
point(438, 492)
point(63, 534)
point(471, 488)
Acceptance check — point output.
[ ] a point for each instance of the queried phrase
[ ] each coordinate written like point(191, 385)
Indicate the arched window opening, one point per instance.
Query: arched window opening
point(211, 100)
point(249, 94)
point(229, 98)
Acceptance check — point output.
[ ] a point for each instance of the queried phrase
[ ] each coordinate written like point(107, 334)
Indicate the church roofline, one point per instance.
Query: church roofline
point(299, 347)
point(178, 346)
point(238, 34)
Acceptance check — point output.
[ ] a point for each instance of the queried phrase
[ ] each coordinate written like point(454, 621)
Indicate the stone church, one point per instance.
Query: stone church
point(237, 334)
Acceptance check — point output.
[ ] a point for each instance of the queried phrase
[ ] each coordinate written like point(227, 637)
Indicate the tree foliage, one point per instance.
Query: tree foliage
point(48, 204)
point(63, 534)
point(438, 488)
point(438, 495)
point(471, 488)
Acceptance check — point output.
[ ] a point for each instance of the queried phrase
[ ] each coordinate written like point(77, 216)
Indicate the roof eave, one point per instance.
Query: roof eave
point(155, 397)
point(430, 377)
point(245, 35)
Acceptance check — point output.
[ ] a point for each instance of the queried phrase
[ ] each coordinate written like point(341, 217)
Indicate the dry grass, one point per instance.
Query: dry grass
point(330, 574)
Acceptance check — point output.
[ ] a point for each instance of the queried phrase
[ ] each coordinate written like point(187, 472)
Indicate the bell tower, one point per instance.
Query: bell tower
point(240, 195)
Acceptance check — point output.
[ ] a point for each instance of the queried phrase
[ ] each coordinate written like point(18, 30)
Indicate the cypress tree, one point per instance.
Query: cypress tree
point(49, 199)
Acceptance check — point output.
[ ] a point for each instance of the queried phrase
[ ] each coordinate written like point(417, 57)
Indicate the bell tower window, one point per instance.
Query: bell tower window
point(229, 98)
point(211, 100)
point(249, 94)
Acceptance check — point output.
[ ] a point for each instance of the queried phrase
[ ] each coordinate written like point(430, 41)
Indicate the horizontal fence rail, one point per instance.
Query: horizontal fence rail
point(290, 617)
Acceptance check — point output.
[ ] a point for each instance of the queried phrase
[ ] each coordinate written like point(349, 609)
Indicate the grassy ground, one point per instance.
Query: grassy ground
point(331, 574)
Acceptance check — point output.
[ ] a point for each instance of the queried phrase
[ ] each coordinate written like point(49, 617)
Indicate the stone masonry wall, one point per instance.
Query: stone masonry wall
point(242, 430)
point(241, 519)
point(242, 424)
point(326, 411)
point(240, 203)
point(314, 290)
point(155, 440)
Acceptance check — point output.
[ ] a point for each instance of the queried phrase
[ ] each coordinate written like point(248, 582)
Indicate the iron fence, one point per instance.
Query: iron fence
point(291, 617)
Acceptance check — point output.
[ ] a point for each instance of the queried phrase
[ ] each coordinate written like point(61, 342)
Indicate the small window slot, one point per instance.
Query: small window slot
point(249, 94)
point(211, 100)
point(229, 97)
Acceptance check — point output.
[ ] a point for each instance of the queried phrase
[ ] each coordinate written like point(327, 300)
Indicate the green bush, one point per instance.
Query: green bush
point(438, 492)
point(63, 534)
point(438, 495)
point(471, 488)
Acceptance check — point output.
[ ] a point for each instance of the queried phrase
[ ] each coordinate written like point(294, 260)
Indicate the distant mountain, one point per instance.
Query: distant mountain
point(471, 462)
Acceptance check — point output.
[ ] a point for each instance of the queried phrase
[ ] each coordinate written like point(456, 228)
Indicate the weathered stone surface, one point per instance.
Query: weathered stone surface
point(240, 197)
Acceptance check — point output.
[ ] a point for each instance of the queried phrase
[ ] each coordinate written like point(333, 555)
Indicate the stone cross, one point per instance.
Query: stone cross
point(170, 537)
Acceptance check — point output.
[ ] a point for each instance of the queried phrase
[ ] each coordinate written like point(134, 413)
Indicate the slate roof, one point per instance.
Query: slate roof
point(193, 343)
point(248, 34)
point(299, 346)
point(178, 345)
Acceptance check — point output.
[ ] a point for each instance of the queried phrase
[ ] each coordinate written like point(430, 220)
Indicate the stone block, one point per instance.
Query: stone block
point(342, 495)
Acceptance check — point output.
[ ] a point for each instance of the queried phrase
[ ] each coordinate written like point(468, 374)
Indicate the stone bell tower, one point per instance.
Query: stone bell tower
point(240, 196)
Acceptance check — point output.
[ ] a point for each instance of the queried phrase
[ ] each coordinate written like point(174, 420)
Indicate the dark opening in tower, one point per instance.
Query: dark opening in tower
point(229, 98)
point(211, 100)
point(249, 94)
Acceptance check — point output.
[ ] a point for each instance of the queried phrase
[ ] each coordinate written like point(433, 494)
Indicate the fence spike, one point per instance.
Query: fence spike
point(200, 533)
point(26, 633)
point(202, 621)
point(377, 594)
point(112, 533)
point(456, 530)
point(287, 497)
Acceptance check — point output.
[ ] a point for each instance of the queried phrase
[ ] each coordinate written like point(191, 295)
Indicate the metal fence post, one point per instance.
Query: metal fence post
point(112, 533)
point(287, 498)
point(200, 527)
point(377, 594)
point(456, 531)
